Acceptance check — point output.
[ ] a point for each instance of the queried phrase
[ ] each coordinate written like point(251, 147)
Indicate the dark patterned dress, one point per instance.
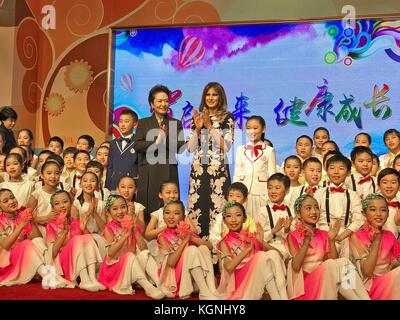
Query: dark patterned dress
point(209, 175)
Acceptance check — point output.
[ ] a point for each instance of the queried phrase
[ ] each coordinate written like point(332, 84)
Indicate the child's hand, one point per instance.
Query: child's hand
point(92, 206)
point(53, 214)
point(73, 193)
point(334, 230)
point(84, 219)
point(278, 226)
point(397, 217)
point(287, 224)
point(259, 233)
point(131, 208)
point(340, 237)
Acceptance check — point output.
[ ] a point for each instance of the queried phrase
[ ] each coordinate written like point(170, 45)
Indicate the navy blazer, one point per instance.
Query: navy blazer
point(121, 163)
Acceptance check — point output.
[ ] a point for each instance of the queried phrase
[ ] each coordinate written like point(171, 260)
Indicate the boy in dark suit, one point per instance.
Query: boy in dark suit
point(122, 157)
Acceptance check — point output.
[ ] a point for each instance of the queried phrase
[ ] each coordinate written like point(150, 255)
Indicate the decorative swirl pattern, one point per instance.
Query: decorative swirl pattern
point(164, 11)
point(27, 46)
point(82, 19)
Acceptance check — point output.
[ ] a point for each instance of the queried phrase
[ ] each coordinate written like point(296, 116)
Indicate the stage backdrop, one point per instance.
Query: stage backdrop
point(298, 76)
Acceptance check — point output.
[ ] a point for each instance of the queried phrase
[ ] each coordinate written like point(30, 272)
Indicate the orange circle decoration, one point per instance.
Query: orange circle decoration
point(78, 76)
point(54, 104)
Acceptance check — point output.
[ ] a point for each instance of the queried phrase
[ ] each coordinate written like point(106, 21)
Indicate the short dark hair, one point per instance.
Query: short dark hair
point(89, 139)
point(56, 158)
point(292, 157)
point(305, 137)
point(281, 178)
point(322, 129)
point(238, 186)
point(81, 151)
point(16, 156)
point(24, 152)
point(390, 131)
point(57, 139)
point(359, 150)
point(311, 160)
point(165, 183)
point(156, 89)
point(178, 202)
point(29, 132)
point(130, 112)
point(69, 150)
point(387, 171)
point(334, 143)
point(95, 164)
point(339, 158)
point(363, 134)
point(47, 163)
point(45, 152)
point(8, 113)
point(330, 152)
point(377, 158)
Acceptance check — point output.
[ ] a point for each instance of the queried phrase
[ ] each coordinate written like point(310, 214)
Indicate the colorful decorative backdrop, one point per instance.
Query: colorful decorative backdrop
point(298, 76)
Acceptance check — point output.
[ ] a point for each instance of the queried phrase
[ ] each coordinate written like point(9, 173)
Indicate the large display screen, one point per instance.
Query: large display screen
point(298, 76)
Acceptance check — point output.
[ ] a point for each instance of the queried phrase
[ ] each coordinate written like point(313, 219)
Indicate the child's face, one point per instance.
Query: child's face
point(55, 147)
point(88, 183)
point(8, 203)
point(389, 186)
point(127, 188)
point(13, 167)
point(254, 130)
point(362, 140)
point(234, 219)
point(169, 193)
point(313, 173)
point(42, 159)
point(396, 165)
point(237, 196)
point(2, 167)
point(337, 172)
point(277, 191)
point(80, 162)
point(102, 156)
point(377, 213)
point(173, 215)
point(363, 163)
point(69, 161)
point(83, 144)
point(327, 147)
point(96, 171)
point(24, 139)
point(292, 169)
point(51, 175)
point(118, 209)
point(375, 167)
point(392, 141)
point(126, 124)
point(61, 202)
point(320, 137)
point(9, 123)
point(309, 212)
point(304, 148)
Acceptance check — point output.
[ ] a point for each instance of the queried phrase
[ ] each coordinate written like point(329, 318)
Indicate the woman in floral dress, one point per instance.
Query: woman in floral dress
point(210, 139)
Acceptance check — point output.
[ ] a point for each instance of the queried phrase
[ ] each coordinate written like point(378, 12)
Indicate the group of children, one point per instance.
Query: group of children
point(291, 232)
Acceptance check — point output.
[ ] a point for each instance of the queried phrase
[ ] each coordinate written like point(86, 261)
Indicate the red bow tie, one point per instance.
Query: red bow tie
point(275, 207)
point(337, 189)
point(364, 180)
point(78, 177)
point(254, 149)
point(312, 189)
point(394, 204)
